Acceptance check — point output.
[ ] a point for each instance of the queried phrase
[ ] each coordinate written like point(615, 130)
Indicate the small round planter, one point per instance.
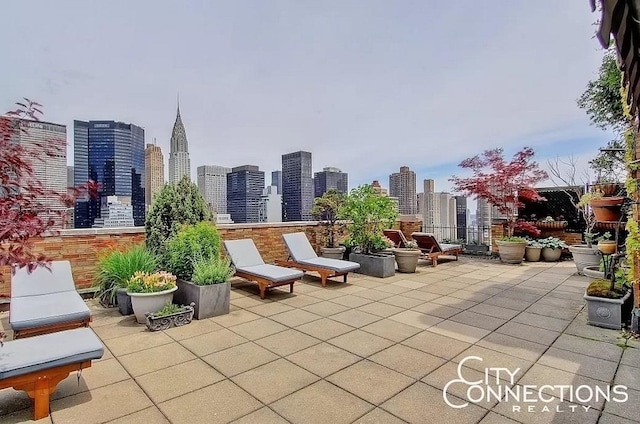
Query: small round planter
point(583, 256)
point(593, 271)
point(511, 252)
point(607, 209)
point(550, 254)
point(332, 252)
point(407, 259)
point(607, 247)
point(532, 254)
point(144, 303)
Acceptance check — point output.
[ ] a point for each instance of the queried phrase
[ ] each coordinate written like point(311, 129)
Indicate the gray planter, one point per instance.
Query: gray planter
point(511, 252)
point(407, 259)
point(124, 302)
point(592, 271)
point(177, 319)
point(608, 313)
point(551, 255)
point(584, 256)
point(532, 254)
point(210, 301)
point(476, 249)
point(381, 266)
point(332, 252)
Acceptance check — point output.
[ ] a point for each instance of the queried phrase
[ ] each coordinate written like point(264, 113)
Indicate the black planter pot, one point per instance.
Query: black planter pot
point(124, 302)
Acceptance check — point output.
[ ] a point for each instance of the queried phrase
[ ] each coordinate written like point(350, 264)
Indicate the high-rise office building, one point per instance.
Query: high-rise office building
point(461, 217)
point(330, 178)
point(377, 188)
point(112, 154)
point(50, 170)
point(271, 205)
point(444, 216)
point(276, 180)
point(483, 222)
point(403, 186)
point(212, 183)
point(70, 181)
point(179, 162)
point(244, 192)
point(297, 186)
point(154, 172)
point(428, 211)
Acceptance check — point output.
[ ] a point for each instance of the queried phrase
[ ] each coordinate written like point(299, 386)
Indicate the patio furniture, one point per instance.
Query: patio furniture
point(302, 256)
point(46, 301)
point(37, 364)
point(430, 247)
point(249, 265)
point(397, 237)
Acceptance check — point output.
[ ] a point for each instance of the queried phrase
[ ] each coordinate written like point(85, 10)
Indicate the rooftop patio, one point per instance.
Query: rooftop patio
point(369, 351)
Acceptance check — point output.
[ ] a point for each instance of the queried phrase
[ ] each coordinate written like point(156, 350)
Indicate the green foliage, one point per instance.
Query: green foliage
point(327, 208)
point(534, 243)
point(115, 269)
point(168, 309)
point(192, 242)
point(174, 206)
point(145, 282)
point(513, 239)
point(369, 213)
point(211, 271)
point(632, 245)
point(602, 288)
point(552, 243)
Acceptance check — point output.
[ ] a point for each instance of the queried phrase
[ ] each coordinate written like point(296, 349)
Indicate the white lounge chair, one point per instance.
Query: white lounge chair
point(46, 301)
point(249, 265)
point(302, 256)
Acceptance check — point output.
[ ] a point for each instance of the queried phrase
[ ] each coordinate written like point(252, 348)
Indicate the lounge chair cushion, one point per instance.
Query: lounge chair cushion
point(449, 247)
point(273, 273)
point(38, 353)
point(43, 280)
point(47, 309)
point(333, 264)
point(299, 246)
point(244, 253)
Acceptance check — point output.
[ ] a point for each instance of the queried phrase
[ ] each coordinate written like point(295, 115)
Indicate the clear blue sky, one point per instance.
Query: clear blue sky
point(367, 86)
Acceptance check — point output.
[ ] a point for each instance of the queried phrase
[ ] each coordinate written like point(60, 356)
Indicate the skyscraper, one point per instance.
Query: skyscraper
point(330, 178)
point(112, 154)
point(444, 216)
point(461, 217)
point(276, 180)
point(297, 186)
point(244, 192)
point(212, 182)
point(403, 186)
point(271, 205)
point(428, 212)
point(179, 162)
point(154, 172)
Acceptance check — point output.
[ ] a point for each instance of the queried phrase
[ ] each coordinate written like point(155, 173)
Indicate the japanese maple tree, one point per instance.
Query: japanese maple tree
point(502, 184)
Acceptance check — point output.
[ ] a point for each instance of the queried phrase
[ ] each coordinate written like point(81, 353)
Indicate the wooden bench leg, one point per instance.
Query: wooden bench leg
point(345, 278)
point(323, 277)
point(41, 398)
point(291, 288)
point(263, 289)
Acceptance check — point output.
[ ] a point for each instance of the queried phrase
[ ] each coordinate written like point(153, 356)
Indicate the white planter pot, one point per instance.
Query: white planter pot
point(607, 313)
point(551, 255)
point(407, 259)
point(532, 254)
point(150, 302)
point(332, 252)
point(511, 252)
point(584, 256)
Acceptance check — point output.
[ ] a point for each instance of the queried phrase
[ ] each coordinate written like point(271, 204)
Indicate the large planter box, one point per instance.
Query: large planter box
point(476, 249)
point(210, 301)
point(608, 313)
point(124, 302)
point(177, 319)
point(380, 266)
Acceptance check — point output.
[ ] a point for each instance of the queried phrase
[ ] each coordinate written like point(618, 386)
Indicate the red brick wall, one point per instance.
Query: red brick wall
point(497, 231)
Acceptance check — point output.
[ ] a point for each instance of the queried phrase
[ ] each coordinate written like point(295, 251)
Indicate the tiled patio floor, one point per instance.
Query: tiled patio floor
point(370, 351)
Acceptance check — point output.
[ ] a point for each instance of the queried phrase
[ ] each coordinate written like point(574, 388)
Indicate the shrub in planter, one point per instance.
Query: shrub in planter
point(192, 242)
point(532, 251)
point(327, 209)
point(208, 289)
point(150, 292)
point(608, 302)
point(170, 315)
point(551, 248)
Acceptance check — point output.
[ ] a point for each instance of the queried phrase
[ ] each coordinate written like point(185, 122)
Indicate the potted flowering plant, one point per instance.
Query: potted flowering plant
point(170, 315)
point(551, 248)
point(150, 292)
point(407, 257)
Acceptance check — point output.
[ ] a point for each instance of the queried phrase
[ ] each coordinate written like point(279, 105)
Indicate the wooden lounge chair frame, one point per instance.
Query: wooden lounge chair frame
point(36, 331)
point(430, 253)
point(324, 272)
point(263, 283)
point(397, 237)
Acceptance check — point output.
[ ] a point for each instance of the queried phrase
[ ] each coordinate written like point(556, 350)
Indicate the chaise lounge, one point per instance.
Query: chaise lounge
point(397, 237)
point(249, 265)
point(37, 364)
point(46, 301)
point(430, 247)
point(302, 256)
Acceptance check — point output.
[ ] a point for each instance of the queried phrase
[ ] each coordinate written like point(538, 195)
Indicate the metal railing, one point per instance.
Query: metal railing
point(469, 234)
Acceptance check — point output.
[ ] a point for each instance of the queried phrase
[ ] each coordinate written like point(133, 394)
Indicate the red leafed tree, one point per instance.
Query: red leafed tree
point(502, 184)
point(27, 207)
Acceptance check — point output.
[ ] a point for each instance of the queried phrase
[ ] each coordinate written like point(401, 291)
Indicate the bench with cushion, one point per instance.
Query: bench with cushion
point(431, 249)
point(37, 364)
point(46, 301)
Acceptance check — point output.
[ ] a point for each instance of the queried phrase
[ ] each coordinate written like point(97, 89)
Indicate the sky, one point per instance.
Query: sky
point(366, 86)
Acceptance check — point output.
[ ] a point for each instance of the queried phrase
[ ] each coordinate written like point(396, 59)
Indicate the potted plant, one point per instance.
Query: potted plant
point(504, 185)
point(532, 251)
point(170, 315)
point(550, 223)
point(327, 209)
point(150, 292)
point(475, 247)
point(369, 214)
point(606, 246)
point(609, 301)
point(551, 248)
point(584, 255)
point(114, 270)
point(407, 257)
point(606, 209)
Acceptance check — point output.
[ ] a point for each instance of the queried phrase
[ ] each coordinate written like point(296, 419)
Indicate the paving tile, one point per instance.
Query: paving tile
point(602, 350)
point(351, 301)
point(136, 342)
point(370, 381)
point(123, 327)
point(374, 294)
point(355, 318)
point(295, 317)
point(324, 329)
point(494, 311)
point(300, 300)
point(380, 309)
point(463, 332)
point(631, 357)
point(393, 289)
point(606, 418)
point(548, 323)
point(421, 403)
point(478, 320)
point(274, 380)
point(553, 311)
point(454, 302)
point(101, 373)
point(287, 342)
point(410, 284)
point(512, 346)
point(310, 405)
point(195, 328)
point(440, 289)
point(326, 293)
point(402, 301)
point(494, 359)
point(269, 309)
point(507, 303)
point(378, 416)
point(250, 301)
point(254, 330)
point(441, 311)
point(262, 416)
point(96, 406)
point(391, 330)
point(577, 363)
point(212, 342)
point(416, 319)
point(235, 317)
point(13, 401)
point(239, 359)
point(361, 343)
point(177, 380)
point(408, 361)
point(527, 332)
point(147, 416)
point(436, 344)
point(628, 409)
point(470, 296)
point(156, 358)
point(325, 308)
point(493, 418)
point(421, 295)
point(24, 416)
point(323, 359)
point(219, 403)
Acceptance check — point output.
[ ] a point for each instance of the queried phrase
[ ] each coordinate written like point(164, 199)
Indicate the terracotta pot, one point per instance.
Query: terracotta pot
point(607, 190)
point(607, 247)
point(607, 209)
point(551, 225)
point(407, 259)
